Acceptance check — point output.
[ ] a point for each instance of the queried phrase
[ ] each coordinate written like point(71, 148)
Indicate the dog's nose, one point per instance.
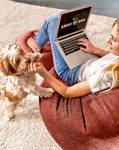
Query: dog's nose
point(36, 58)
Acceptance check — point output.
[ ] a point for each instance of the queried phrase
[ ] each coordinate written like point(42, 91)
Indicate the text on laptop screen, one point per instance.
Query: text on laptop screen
point(73, 21)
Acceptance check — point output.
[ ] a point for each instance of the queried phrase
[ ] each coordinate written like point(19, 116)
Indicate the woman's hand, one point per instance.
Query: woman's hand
point(89, 47)
point(37, 67)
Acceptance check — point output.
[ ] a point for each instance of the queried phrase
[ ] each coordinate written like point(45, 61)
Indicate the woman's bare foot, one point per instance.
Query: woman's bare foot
point(31, 43)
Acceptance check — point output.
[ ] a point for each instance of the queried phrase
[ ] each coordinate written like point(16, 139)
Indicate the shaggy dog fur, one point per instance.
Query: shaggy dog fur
point(19, 81)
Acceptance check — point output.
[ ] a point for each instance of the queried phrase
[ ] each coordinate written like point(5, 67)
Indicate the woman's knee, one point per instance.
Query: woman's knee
point(51, 26)
point(53, 19)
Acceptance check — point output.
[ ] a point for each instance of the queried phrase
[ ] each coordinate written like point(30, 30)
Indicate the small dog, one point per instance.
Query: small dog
point(19, 81)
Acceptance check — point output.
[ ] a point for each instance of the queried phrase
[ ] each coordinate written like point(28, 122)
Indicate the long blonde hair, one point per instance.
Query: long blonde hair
point(114, 69)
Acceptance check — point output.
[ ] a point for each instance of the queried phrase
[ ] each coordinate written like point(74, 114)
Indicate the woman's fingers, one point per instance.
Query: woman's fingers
point(83, 49)
point(36, 66)
point(30, 66)
point(82, 40)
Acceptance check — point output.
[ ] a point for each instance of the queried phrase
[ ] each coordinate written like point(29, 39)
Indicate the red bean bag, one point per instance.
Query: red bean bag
point(85, 123)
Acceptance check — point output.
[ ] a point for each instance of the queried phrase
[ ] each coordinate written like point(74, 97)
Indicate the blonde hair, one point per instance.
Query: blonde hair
point(116, 22)
point(114, 69)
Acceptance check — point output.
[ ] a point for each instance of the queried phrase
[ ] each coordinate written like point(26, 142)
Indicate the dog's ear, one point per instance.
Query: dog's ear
point(6, 67)
point(3, 66)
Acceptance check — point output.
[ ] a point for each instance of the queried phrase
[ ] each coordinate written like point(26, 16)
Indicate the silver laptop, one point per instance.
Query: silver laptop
point(71, 27)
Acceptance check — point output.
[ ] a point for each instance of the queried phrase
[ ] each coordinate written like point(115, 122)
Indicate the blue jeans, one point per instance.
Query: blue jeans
point(47, 33)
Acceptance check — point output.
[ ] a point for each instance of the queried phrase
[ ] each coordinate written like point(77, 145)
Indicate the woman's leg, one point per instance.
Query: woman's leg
point(48, 33)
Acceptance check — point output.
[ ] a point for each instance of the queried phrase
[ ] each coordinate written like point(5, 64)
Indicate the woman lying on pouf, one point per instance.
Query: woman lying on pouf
point(94, 75)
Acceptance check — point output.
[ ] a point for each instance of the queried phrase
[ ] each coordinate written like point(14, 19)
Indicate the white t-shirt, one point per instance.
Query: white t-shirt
point(92, 69)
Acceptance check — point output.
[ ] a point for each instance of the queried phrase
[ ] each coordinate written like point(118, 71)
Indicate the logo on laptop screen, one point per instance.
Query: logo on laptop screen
point(75, 21)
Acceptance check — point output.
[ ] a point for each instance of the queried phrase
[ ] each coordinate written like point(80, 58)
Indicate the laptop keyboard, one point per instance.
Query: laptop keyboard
point(71, 45)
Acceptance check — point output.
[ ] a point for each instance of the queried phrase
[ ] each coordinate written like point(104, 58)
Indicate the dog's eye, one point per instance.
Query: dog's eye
point(28, 61)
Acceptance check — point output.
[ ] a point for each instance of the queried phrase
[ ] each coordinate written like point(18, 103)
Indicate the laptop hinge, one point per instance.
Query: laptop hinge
point(67, 36)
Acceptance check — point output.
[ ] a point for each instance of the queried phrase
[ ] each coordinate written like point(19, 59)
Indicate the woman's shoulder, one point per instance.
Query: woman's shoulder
point(110, 57)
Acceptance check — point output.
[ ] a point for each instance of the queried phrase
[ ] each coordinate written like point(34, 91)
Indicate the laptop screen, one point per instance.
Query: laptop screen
point(73, 21)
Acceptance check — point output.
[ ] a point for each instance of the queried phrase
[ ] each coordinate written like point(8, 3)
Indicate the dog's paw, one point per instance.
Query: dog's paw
point(47, 92)
point(9, 116)
point(9, 119)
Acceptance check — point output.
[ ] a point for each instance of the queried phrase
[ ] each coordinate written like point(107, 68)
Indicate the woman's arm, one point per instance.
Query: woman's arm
point(79, 89)
point(90, 48)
